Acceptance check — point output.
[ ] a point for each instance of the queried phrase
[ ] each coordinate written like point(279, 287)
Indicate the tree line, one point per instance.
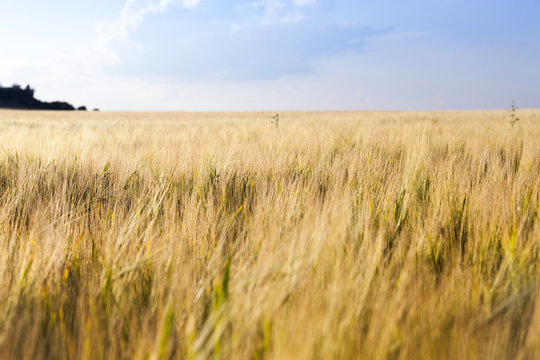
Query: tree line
point(16, 97)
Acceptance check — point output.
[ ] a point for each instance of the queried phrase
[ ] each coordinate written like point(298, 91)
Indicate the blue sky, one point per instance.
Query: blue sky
point(275, 54)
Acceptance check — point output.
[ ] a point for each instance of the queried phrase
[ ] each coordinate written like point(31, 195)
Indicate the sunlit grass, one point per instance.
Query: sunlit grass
point(334, 235)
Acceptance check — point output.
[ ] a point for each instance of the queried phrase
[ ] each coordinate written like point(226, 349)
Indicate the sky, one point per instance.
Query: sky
point(220, 55)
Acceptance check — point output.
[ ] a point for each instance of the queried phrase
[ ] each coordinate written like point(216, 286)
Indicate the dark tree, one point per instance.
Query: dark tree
point(16, 97)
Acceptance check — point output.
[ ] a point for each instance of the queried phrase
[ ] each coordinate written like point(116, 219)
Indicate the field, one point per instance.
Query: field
point(372, 235)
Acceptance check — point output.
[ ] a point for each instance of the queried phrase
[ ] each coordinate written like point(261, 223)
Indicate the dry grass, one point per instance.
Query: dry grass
point(340, 235)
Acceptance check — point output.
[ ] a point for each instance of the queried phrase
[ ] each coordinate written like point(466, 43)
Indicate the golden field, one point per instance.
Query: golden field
point(370, 235)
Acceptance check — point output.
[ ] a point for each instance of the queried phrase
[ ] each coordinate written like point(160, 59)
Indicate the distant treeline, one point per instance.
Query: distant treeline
point(16, 97)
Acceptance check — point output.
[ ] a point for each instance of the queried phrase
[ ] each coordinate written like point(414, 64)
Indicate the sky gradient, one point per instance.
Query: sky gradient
point(275, 54)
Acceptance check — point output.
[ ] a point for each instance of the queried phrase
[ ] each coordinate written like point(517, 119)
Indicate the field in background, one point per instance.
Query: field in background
point(337, 235)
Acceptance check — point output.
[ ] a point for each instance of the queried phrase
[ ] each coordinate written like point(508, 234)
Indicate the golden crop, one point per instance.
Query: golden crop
point(218, 235)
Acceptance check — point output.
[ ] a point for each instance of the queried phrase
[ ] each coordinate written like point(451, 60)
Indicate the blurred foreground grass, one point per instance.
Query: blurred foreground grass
point(338, 235)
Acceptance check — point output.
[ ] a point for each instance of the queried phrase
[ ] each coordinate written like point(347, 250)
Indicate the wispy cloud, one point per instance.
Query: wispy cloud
point(130, 18)
point(278, 12)
point(112, 32)
point(269, 6)
point(408, 35)
point(292, 18)
point(305, 2)
point(281, 10)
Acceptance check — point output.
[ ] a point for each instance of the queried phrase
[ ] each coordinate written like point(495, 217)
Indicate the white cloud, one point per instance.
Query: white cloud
point(191, 3)
point(292, 18)
point(80, 66)
point(408, 35)
point(269, 5)
point(256, 4)
point(236, 28)
point(131, 16)
point(118, 30)
point(305, 2)
point(278, 11)
point(272, 5)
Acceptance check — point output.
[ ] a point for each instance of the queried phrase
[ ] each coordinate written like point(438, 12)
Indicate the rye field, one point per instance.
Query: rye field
point(346, 235)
